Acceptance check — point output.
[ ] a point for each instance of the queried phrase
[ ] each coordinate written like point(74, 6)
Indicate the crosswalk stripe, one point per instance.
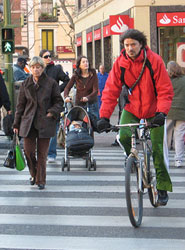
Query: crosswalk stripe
point(93, 176)
point(79, 202)
point(75, 188)
point(91, 243)
point(83, 220)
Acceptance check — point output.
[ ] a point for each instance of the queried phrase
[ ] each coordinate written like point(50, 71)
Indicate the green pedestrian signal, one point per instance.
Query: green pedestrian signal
point(7, 41)
point(7, 47)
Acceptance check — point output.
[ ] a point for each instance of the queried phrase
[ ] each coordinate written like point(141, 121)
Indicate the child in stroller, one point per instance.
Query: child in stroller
point(79, 138)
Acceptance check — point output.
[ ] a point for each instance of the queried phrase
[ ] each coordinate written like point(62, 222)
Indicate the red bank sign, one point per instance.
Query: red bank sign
point(171, 19)
point(120, 23)
point(89, 37)
point(97, 34)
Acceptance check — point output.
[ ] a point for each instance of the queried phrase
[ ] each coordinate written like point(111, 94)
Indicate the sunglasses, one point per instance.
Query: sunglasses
point(45, 57)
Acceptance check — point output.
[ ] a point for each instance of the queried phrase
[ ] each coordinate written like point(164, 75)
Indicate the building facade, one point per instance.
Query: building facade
point(52, 31)
point(163, 22)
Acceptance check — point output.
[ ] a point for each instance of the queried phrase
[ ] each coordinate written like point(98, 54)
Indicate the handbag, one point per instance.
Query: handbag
point(61, 137)
point(10, 161)
point(20, 161)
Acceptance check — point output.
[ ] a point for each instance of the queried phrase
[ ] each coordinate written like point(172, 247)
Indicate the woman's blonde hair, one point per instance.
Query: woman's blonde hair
point(36, 60)
point(174, 69)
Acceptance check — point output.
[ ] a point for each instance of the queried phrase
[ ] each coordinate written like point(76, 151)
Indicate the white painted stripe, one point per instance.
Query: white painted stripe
point(90, 177)
point(89, 220)
point(75, 188)
point(79, 202)
point(102, 169)
point(87, 243)
point(62, 188)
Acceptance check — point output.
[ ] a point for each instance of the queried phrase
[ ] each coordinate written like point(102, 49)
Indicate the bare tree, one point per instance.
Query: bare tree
point(64, 5)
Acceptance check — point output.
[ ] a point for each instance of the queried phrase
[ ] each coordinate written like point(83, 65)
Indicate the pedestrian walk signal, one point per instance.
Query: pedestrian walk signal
point(7, 41)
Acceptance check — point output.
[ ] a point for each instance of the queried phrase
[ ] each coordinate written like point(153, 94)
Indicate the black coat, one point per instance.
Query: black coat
point(56, 72)
point(4, 97)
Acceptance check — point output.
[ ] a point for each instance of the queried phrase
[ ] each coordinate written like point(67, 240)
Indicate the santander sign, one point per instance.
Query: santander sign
point(171, 19)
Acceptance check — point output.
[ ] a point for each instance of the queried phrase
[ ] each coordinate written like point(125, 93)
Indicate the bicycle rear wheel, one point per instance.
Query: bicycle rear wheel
point(134, 196)
point(151, 179)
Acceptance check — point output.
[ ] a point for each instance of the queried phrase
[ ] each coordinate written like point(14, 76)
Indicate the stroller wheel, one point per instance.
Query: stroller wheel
point(86, 163)
point(63, 163)
point(94, 164)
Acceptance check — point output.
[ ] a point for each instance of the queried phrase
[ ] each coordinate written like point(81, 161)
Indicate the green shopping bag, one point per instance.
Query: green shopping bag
point(20, 161)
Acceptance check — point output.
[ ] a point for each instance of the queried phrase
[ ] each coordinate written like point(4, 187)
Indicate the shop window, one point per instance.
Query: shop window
point(107, 54)
point(79, 51)
point(97, 53)
point(89, 53)
point(172, 44)
point(47, 40)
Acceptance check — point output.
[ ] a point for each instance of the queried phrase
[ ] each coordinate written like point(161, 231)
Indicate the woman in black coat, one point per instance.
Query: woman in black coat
point(38, 108)
point(55, 72)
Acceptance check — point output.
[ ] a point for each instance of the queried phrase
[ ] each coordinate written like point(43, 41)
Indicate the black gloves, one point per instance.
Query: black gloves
point(159, 119)
point(103, 124)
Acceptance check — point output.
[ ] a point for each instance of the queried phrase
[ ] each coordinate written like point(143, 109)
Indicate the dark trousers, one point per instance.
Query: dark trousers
point(36, 150)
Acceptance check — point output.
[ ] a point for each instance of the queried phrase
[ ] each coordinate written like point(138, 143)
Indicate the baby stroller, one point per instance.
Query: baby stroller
point(79, 142)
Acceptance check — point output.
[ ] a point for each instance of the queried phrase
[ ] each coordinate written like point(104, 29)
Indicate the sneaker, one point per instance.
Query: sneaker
point(51, 160)
point(162, 198)
point(178, 164)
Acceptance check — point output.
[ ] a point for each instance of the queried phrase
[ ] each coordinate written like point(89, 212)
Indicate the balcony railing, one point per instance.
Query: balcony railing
point(45, 17)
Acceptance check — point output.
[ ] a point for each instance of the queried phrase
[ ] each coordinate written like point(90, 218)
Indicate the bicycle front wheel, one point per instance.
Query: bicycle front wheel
point(134, 196)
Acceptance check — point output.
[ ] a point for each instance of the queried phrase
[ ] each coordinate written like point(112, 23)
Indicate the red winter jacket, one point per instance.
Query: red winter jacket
point(143, 101)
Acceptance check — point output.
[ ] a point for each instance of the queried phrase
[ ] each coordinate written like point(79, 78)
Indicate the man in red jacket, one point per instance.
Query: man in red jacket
point(150, 98)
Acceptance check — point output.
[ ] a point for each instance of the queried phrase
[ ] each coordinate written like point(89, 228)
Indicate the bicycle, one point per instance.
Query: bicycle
point(139, 173)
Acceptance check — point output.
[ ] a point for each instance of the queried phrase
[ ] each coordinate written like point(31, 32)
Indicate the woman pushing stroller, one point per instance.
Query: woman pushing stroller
point(86, 81)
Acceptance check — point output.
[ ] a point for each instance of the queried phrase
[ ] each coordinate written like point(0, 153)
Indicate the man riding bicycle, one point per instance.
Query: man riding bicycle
point(148, 94)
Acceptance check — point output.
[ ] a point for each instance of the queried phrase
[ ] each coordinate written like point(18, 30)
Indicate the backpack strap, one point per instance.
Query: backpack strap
point(122, 75)
point(149, 66)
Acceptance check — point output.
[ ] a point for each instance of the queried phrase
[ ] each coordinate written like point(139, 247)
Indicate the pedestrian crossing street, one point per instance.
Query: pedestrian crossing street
point(86, 210)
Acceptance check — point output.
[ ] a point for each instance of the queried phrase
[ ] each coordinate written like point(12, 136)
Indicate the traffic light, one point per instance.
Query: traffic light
point(7, 40)
point(23, 20)
point(58, 11)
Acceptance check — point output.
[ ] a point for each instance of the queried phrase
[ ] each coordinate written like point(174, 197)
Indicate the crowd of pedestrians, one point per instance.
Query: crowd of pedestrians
point(156, 94)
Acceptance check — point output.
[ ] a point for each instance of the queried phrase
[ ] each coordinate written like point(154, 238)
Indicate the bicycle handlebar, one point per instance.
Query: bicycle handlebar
point(116, 128)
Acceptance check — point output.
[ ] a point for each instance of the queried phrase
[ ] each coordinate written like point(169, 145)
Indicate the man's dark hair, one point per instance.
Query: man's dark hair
point(134, 34)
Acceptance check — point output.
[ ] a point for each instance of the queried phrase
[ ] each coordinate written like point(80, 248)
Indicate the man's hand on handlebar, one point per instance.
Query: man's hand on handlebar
point(103, 125)
point(158, 119)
